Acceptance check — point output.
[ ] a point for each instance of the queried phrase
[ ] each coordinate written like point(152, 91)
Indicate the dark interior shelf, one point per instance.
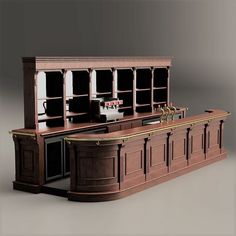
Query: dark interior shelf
point(160, 77)
point(104, 81)
point(125, 79)
point(146, 108)
point(143, 97)
point(44, 117)
point(80, 82)
point(160, 95)
point(124, 91)
point(49, 98)
point(160, 88)
point(143, 78)
point(70, 113)
point(143, 105)
point(127, 107)
point(80, 95)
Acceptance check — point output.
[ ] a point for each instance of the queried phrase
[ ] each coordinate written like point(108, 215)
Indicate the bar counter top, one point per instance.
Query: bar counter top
point(129, 133)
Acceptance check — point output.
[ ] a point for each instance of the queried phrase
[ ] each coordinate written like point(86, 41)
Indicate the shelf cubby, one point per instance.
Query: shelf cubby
point(125, 80)
point(80, 83)
point(160, 96)
point(104, 82)
point(143, 97)
point(50, 105)
point(160, 78)
point(127, 106)
point(143, 78)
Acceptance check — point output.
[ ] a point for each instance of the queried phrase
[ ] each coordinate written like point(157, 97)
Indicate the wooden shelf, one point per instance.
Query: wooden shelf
point(77, 95)
point(102, 93)
point(49, 98)
point(124, 91)
point(143, 89)
point(45, 118)
point(160, 88)
point(126, 107)
point(165, 102)
point(70, 113)
point(143, 105)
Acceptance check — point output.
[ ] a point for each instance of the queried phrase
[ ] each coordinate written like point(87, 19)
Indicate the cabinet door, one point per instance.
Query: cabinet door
point(156, 156)
point(196, 144)
point(54, 158)
point(178, 150)
point(213, 139)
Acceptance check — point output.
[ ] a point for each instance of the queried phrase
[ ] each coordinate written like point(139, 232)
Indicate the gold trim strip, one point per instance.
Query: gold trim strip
point(147, 132)
point(23, 133)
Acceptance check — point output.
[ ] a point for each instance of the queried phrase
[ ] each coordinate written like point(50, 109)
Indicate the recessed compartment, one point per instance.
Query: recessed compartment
point(160, 96)
point(104, 83)
point(143, 78)
point(160, 78)
point(125, 80)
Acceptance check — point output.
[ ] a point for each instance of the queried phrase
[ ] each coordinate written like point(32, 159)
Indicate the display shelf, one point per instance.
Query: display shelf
point(154, 88)
point(80, 82)
point(80, 95)
point(70, 113)
point(143, 78)
point(144, 89)
point(124, 91)
point(49, 98)
point(43, 118)
point(160, 77)
point(125, 79)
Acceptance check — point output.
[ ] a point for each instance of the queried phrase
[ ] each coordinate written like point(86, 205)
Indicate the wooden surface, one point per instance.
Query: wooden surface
point(117, 164)
point(58, 63)
point(126, 133)
point(45, 131)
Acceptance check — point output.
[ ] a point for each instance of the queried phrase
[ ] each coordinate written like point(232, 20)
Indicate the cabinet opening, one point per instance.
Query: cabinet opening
point(143, 78)
point(54, 84)
point(144, 109)
point(160, 96)
point(80, 82)
point(125, 79)
point(160, 77)
point(143, 97)
point(104, 81)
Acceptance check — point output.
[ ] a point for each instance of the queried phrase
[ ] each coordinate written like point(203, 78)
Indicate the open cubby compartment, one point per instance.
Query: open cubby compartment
point(125, 79)
point(160, 96)
point(143, 78)
point(80, 82)
point(143, 97)
point(127, 106)
point(143, 109)
point(160, 77)
point(104, 81)
point(78, 104)
point(54, 84)
point(78, 109)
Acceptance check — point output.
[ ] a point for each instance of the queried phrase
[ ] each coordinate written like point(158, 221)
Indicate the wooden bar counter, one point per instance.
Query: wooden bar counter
point(113, 165)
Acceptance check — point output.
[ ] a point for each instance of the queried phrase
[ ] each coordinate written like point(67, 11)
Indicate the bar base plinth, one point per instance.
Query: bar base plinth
point(108, 196)
point(31, 188)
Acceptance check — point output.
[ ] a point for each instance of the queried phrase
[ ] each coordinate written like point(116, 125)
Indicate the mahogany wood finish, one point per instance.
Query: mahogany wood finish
point(142, 155)
point(107, 160)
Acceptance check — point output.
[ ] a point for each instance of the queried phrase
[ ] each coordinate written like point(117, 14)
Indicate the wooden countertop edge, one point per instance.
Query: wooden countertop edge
point(148, 130)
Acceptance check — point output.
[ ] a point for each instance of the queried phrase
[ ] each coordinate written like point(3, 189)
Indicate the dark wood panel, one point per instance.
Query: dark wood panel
point(177, 149)
point(213, 139)
point(196, 144)
point(133, 163)
point(156, 156)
